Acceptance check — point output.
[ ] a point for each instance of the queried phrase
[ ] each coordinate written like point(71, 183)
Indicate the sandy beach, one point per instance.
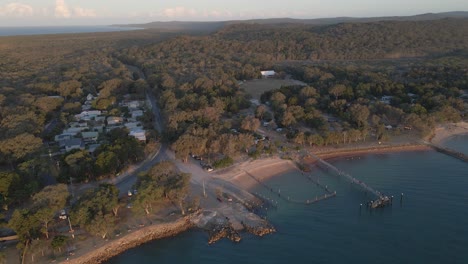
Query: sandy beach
point(266, 168)
point(445, 132)
point(262, 169)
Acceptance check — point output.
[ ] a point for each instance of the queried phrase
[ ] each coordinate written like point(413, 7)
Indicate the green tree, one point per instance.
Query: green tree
point(359, 114)
point(250, 123)
point(20, 146)
point(47, 203)
point(97, 209)
point(8, 181)
point(58, 242)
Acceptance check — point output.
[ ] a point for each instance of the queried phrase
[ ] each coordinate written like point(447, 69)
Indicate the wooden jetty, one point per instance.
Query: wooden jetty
point(382, 200)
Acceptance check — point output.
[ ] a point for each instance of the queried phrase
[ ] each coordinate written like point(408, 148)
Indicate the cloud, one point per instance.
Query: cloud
point(179, 12)
point(82, 12)
point(16, 10)
point(61, 9)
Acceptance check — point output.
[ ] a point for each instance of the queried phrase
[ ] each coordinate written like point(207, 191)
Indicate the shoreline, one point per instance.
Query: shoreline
point(132, 240)
point(262, 169)
point(267, 168)
point(444, 132)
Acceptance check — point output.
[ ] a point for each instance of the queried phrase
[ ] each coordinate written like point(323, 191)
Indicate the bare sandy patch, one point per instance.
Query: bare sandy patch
point(262, 169)
point(444, 132)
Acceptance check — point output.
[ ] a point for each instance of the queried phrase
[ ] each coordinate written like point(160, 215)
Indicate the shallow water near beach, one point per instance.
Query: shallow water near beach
point(429, 225)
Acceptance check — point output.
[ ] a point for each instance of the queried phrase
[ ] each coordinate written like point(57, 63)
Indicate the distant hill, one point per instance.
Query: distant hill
point(212, 26)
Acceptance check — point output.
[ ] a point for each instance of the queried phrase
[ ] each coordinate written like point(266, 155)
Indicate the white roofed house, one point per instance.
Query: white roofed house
point(268, 74)
point(88, 115)
point(90, 97)
point(135, 104)
point(114, 120)
point(138, 134)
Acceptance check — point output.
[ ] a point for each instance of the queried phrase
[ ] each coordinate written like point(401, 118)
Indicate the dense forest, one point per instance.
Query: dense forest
point(363, 77)
point(421, 65)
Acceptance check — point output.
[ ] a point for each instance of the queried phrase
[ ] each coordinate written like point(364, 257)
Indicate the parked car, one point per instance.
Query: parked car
point(63, 215)
point(129, 193)
point(207, 167)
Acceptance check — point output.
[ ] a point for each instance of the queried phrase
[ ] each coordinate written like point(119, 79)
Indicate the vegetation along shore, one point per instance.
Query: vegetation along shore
point(115, 139)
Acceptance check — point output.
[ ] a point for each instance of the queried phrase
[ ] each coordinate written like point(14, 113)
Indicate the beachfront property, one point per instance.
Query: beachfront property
point(268, 74)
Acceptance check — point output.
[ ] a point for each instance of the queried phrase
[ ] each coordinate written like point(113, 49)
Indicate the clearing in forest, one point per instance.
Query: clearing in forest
point(258, 86)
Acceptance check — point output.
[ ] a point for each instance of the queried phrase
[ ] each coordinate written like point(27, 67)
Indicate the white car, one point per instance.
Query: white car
point(63, 215)
point(129, 193)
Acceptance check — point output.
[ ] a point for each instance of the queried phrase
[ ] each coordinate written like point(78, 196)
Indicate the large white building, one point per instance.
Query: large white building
point(268, 74)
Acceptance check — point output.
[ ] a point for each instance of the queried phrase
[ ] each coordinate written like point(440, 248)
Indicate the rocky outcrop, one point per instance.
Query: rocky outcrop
point(260, 230)
point(223, 231)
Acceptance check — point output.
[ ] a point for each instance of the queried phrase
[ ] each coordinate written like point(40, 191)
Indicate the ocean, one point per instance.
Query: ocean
point(428, 225)
point(17, 31)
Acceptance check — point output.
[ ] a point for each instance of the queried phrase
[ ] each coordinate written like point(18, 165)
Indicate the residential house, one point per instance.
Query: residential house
point(386, 99)
point(62, 137)
point(74, 130)
point(138, 134)
point(89, 136)
point(71, 144)
point(114, 120)
point(78, 124)
point(88, 115)
point(98, 128)
point(268, 74)
point(93, 147)
point(137, 113)
point(90, 97)
point(132, 125)
point(135, 104)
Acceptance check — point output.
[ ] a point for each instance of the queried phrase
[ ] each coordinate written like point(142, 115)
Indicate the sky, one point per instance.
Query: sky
point(106, 12)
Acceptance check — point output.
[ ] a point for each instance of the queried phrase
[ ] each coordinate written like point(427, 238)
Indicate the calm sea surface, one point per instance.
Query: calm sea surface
point(430, 225)
point(15, 31)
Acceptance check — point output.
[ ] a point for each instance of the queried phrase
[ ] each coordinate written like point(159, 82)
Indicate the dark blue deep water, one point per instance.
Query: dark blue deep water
point(16, 31)
point(429, 226)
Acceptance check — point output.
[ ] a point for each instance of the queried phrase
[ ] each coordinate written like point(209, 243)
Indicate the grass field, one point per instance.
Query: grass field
point(257, 87)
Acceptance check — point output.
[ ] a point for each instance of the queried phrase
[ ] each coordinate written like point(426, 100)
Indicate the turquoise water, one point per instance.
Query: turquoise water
point(429, 226)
